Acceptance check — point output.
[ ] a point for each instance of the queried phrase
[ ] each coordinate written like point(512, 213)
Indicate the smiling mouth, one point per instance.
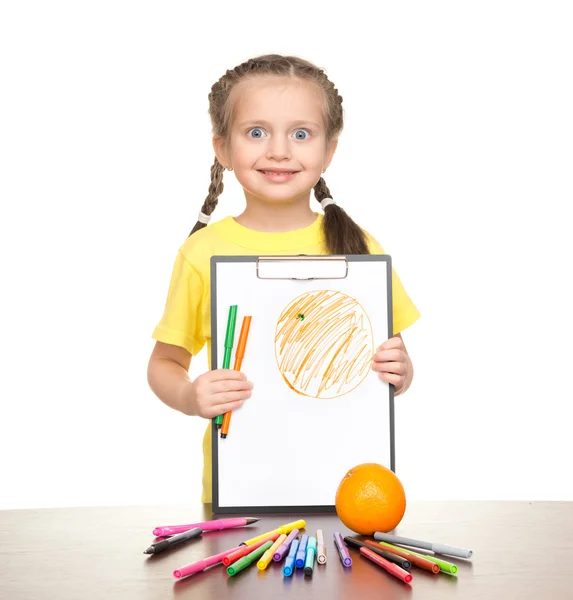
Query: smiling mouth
point(278, 172)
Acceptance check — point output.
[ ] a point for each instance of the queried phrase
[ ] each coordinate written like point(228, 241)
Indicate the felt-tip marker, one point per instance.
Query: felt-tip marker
point(229, 341)
point(301, 553)
point(173, 541)
point(289, 562)
point(310, 556)
point(400, 561)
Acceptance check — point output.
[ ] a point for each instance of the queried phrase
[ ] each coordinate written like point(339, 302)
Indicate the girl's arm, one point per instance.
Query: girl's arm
point(168, 376)
point(211, 394)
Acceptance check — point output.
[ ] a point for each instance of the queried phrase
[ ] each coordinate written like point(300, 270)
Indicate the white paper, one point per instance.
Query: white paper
point(284, 448)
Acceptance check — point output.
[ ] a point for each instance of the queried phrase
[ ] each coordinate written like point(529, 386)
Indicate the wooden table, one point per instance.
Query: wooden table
point(521, 550)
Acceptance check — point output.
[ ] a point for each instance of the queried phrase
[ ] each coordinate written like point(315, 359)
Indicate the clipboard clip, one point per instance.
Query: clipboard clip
point(303, 267)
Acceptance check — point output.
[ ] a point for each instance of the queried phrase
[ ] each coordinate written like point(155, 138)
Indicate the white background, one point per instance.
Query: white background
point(457, 155)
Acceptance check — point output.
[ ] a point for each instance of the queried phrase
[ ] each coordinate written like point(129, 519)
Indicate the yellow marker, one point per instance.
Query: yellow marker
point(282, 529)
point(268, 555)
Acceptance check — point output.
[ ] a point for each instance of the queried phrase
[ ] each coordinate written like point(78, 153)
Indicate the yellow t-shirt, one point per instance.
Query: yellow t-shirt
point(186, 320)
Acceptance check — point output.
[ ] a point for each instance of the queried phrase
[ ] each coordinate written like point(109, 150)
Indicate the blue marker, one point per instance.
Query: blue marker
point(301, 554)
point(289, 561)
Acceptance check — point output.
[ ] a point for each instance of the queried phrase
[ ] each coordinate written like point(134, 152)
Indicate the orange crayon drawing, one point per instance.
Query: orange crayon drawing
point(324, 344)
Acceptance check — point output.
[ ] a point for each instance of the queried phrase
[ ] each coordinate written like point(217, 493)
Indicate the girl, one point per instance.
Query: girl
point(276, 121)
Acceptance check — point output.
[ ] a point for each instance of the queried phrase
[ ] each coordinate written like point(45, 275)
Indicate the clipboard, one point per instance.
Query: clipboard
point(315, 321)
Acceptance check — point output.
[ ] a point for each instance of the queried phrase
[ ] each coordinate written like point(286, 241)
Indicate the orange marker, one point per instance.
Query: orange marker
point(239, 354)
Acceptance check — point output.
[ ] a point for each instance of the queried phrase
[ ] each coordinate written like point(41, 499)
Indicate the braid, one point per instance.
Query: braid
point(341, 233)
point(215, 190)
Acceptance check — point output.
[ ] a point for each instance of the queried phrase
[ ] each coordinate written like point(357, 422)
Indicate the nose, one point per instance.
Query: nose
point(278, 148)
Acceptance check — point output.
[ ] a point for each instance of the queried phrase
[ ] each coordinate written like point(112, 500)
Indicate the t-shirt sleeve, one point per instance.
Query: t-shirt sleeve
point(181, 324)
point(404, 310)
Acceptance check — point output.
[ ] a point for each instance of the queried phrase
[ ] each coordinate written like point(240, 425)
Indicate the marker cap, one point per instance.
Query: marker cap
point(320, 548)
point(284, 547)
point(244, 562)
point(301, 553)
point(289, 566)
point(309, 562)
point(289, 562)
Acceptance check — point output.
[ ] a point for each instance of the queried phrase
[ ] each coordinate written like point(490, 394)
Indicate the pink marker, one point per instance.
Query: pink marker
point(206, 526)
point(201, 565)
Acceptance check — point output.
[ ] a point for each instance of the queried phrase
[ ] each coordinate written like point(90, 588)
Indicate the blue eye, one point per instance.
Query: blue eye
point(299, 138)
point(255, 129)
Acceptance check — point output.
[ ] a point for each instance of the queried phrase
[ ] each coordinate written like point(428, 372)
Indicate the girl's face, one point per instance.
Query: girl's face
point(278, 124)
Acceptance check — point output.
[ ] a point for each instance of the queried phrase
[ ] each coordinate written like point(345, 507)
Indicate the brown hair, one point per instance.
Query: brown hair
point(342, 234)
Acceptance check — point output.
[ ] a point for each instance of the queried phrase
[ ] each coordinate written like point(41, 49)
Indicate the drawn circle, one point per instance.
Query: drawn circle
point(324, 344)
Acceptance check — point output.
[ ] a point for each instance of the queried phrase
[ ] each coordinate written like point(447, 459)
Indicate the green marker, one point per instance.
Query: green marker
point(247, 560)
point(444, 565)
point(229, 340)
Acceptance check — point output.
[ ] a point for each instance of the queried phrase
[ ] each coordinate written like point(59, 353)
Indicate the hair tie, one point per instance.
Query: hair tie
point(326, 201)
point(203, 218)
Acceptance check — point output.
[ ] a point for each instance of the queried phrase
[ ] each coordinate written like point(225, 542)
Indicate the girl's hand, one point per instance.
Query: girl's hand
point(392, 362)
point(217, 392)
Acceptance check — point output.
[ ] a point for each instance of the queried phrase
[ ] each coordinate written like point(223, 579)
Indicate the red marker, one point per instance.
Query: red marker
point(386, 564)
point(236, 554)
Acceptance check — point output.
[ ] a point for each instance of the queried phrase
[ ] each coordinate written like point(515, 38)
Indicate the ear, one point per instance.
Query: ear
point(220, 150)
point(330, 150)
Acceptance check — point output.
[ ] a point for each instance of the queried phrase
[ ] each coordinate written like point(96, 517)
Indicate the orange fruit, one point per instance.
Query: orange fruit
point(370, 498)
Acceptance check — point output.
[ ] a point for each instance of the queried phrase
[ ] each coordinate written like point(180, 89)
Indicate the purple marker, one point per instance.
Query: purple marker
point(342, 550)
point(283, 548)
